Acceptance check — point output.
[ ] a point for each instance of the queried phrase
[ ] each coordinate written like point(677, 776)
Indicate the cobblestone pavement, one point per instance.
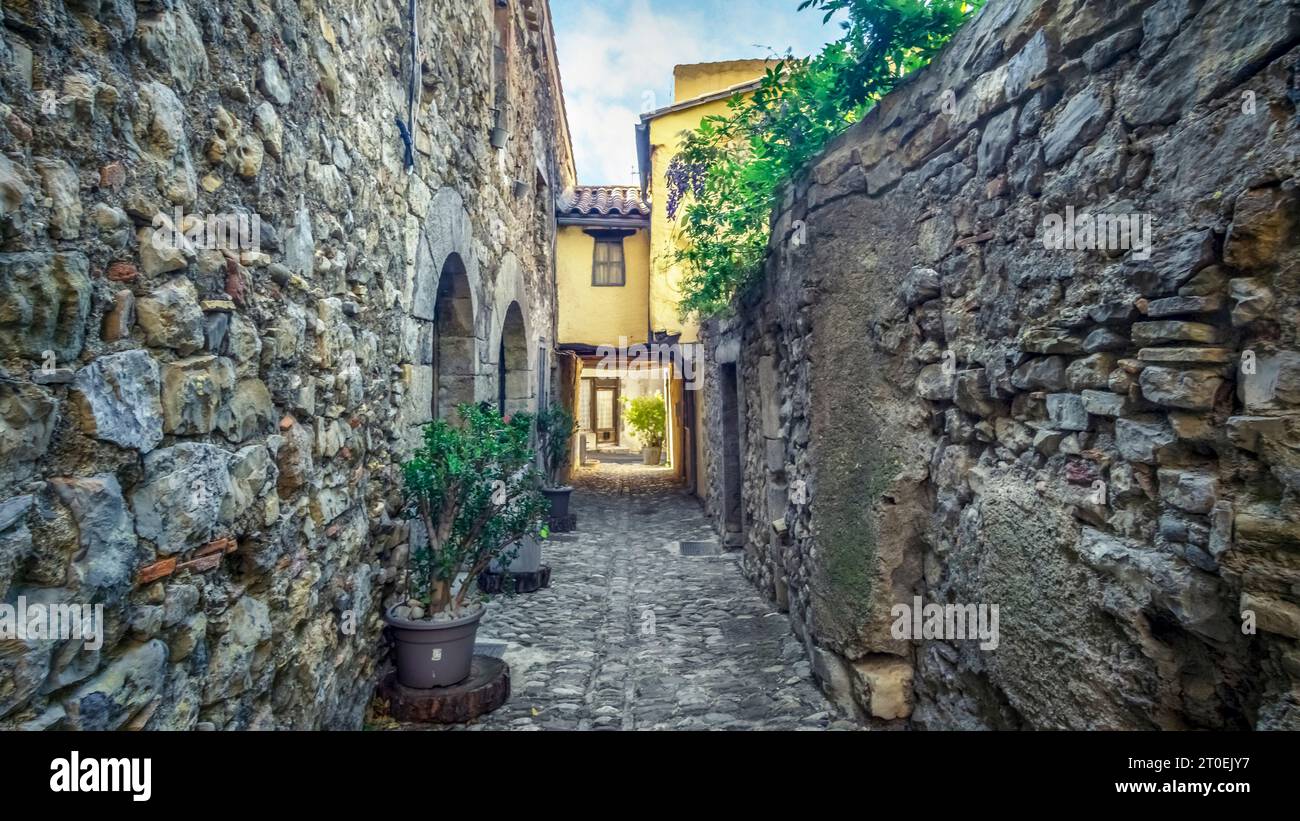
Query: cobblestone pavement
point(632, 635)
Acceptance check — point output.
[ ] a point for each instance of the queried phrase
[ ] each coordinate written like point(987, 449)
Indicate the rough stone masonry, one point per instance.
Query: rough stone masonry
point(205, 440)
point(1105, 443)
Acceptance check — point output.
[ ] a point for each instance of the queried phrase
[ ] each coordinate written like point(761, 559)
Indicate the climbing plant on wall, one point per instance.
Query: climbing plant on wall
point(723, 184)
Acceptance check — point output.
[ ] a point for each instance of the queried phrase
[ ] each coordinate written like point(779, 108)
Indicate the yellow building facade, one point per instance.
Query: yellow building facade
point(699, 90)
point(618, 285)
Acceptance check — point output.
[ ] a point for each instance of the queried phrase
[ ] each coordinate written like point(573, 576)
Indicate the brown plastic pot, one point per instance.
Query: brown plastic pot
point(433, 654)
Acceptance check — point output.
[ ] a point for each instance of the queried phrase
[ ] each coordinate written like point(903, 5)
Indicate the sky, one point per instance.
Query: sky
point(617, 58)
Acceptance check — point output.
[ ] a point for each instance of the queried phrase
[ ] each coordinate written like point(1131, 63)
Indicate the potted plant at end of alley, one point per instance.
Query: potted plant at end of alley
point(555, 427)
point(472, 493)
point(646, 416)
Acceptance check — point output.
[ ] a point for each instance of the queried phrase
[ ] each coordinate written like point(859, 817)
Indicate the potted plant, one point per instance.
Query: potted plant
point(522, 556)
point(555, 427)
point(474, 492)
point(646, 416)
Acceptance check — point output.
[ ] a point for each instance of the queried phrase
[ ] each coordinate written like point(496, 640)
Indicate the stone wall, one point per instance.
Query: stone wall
point(1102, 443)
point(206, 442)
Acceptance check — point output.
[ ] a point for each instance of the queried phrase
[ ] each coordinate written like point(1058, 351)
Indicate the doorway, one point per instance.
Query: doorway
point(732, 513)
point(603, 412)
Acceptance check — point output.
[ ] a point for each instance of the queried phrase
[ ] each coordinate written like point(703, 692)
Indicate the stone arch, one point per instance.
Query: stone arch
point(453, 341)
point(447, 230)
point(514, 377)
point(512, 310)
point(445, 306)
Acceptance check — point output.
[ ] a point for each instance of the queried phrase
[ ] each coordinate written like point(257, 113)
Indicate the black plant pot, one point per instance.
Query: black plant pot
point(559, 499)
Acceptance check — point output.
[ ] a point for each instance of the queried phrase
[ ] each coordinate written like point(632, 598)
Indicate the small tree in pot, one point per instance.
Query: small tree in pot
point(474, 491)
point(646, 416)
point(555, 427)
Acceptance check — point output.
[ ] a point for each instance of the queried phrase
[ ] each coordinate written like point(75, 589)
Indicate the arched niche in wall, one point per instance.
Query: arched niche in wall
point(512, 343)
point(514, 377)
point(445, 334)
point(453, 340)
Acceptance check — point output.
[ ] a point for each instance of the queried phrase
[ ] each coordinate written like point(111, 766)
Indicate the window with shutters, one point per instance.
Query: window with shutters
point(607, 266)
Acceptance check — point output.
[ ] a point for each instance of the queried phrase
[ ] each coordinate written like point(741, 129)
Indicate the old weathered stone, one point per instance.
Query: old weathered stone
point(118, 400)
point(44, 302)
point(61, 188)
point(1050, 341)
point(936, 383)
point(119, 319)
point(272, 83)
point(1192, 389)
point(1066, 411)
point(1175, 305)
point(248, 412)
point(882, 685)
point(1041, 373)
point(293, 458)
point(1273, 614)
point(1207, 282)
point(185, 494)
point(1090, 371)
point(1262, 226)
point(1188, 490)
point(106, 563)
point(1105, 339)
point(171, 41)
point(28, 415)
point(171, 318)
point(1251, 299)
point(1174, 263)
point(1142, 440)
point(1206, 356)
point(1153, 333)
point(194, 390)
point(971, 392)
point(995, 146)
point(15, 537)
point(920, 285)
point(1079, 123)
point(1108, 51)
point(235, 659)
point(1104, 403)
point(126, 687)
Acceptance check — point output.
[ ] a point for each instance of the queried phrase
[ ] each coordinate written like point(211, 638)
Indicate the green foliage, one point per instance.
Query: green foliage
point(730, 170)
point(555, 427)
point(646, 416)
point(475, 490)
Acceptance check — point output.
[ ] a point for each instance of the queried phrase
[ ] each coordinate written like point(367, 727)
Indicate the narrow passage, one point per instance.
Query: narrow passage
point(632, 635)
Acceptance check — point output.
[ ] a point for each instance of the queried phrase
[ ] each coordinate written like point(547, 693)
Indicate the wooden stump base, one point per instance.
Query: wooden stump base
point(486, 689)
point(523, 582)
point(562, 524)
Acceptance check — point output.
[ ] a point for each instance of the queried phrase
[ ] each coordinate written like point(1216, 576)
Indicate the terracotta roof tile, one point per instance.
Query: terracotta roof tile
point(603, 201)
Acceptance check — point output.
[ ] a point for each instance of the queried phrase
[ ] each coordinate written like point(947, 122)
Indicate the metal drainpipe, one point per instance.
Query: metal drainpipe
point(413, 91)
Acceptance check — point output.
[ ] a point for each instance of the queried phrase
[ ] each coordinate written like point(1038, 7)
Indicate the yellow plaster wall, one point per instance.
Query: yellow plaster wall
point(700, 79)
point(599, 315)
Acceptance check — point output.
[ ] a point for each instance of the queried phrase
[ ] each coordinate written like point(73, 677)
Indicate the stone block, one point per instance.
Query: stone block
point(1190, 390)
point(118, 400)
point(1066, 411)
point(882, 686)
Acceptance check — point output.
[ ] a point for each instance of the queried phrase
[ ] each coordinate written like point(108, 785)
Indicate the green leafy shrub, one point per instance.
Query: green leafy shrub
point(555, 427)
point(646, 416)
point(725, 181)
point(475, 490)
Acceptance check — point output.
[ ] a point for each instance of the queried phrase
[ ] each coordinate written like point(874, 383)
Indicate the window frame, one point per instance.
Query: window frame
point(597, 263)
